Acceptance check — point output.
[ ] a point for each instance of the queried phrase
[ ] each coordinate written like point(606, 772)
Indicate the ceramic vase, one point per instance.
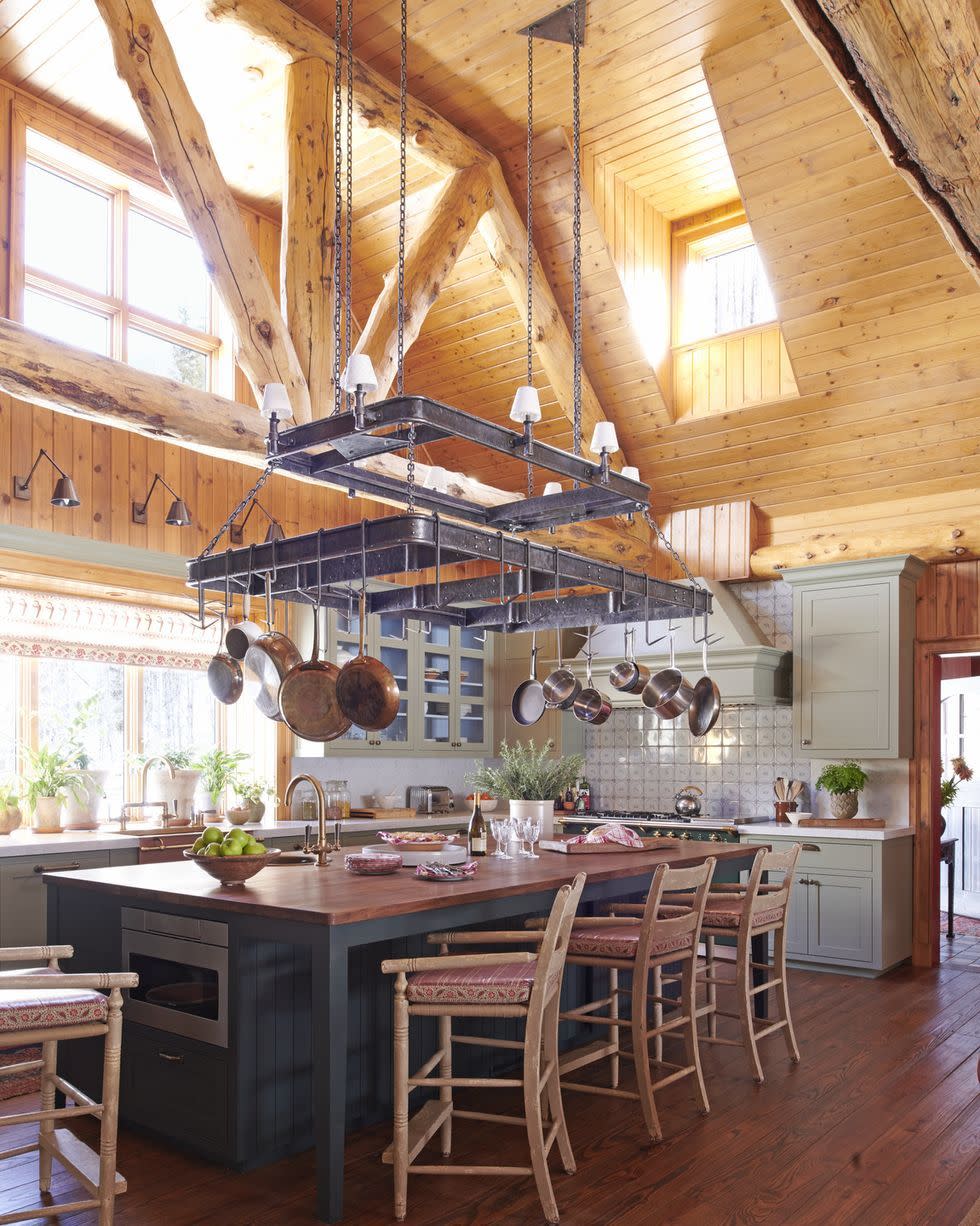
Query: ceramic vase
point(47, 815)
point(844, 805)
point(82, 809)
point(10, 818)
point(541, 810)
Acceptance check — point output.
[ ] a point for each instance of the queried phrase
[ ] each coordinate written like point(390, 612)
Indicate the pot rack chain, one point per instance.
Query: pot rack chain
point(402, 190)
point(576, 234)
point(529, 255)
point(337, 204)
point(349, 222)
point(264, 476)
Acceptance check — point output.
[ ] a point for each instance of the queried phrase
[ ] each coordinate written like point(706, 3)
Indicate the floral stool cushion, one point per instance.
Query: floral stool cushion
point(33, 1009)
point(506, 984)
point(613, 941)
point(729, 913)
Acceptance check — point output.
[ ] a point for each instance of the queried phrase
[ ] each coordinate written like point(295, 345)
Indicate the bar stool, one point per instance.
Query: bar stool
point(643, 946)
point(486, 985)
point(44, 1005)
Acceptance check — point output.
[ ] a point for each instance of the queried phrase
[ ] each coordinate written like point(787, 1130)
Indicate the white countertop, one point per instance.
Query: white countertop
point(27, 842)
point(830, 831)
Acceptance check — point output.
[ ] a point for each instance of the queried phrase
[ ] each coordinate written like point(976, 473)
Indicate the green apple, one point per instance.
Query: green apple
point(213, 849)
point(255, 849)
point(212, 834)
point(199, 846)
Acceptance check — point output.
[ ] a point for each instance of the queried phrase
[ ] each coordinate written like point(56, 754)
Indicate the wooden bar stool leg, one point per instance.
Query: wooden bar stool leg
point(556, 1109)
point(658, 1012)
point(110, 1109)
point(711, 988)
point(745, 1011)
point(689, 1004)
point(534, 1119)
point(614, 1012)
point(782, 994)
point(641, 1053)
point(446, 1092)
point(400, 1137)
point(49, 1066)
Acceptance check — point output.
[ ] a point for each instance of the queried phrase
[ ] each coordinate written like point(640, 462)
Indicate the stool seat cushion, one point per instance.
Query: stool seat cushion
point(505, 984)
point(34, 1010)
point(613, 941)
point(724, 912)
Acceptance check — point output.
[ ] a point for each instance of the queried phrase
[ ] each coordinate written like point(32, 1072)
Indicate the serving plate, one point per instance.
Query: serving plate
point(449, 853)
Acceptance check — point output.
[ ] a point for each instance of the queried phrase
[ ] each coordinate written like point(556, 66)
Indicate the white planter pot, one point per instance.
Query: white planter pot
point(47, 815)
point(178, 793)
point(541, 810)
point(82, 811)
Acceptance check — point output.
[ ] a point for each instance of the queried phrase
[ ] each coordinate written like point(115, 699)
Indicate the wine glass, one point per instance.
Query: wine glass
point(521, 825)
point(500, 829)
point(532, 832)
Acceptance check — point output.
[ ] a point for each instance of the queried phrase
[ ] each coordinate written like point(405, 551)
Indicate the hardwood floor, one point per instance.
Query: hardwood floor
point(879, 1125)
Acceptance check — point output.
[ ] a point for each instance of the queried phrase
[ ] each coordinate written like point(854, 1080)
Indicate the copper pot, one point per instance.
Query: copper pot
point(367, 692)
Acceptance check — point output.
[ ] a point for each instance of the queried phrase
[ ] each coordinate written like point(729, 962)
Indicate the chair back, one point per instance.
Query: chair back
point(654, 928)
point(553, 949)
point(771, 899)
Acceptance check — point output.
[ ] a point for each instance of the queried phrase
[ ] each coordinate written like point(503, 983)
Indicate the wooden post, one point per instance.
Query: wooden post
point(145, 61)
point(429, 260)
point(307, 253)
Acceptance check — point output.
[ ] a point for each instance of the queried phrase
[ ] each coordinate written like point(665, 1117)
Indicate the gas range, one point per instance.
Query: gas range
point(654, 823)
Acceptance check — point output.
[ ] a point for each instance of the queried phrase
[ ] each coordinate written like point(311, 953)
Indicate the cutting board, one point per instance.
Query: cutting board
point(582, 849)
point(846, 823)
point(384, 815)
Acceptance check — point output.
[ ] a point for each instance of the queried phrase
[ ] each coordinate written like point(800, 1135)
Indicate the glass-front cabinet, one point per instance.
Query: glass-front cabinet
point(443, 673)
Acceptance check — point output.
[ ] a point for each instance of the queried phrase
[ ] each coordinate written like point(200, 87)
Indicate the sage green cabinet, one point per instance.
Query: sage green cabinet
point(853, 636)
point(443, 673)
point(23, 897)
point(851, 902)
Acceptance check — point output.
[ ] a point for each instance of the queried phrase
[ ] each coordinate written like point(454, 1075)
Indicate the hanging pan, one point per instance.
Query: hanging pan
point(702, 714)
point(629, 677)
point(308, 695)
point(225, 672)
point(367, 691)
point(270, 658)
point(668, 692)
point(591, 706)
point(240, 637)
point(527, 705)
point(561, 687)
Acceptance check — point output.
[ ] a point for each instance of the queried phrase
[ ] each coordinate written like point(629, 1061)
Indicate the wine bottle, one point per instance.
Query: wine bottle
point(477, 833)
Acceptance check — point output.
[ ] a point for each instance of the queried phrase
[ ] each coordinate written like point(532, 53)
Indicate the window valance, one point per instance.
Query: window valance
point(74, 628)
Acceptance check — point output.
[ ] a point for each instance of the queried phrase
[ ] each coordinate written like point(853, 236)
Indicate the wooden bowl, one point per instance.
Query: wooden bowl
point(232, 870)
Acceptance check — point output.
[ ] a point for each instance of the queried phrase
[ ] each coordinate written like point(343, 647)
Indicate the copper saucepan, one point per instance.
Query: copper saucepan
point(367, 691)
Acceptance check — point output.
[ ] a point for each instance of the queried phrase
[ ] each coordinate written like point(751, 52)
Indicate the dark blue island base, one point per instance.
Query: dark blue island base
point(302, 1053)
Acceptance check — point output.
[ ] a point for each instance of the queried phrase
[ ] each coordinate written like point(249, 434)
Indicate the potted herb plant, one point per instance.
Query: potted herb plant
point(251, 805)
point(10, 811)
point(219, 768)
point(842, 781)
point(530, 778)
point(51, 777)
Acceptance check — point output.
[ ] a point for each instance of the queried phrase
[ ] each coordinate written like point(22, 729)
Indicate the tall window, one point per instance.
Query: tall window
point(110, 266)
point(722, 285)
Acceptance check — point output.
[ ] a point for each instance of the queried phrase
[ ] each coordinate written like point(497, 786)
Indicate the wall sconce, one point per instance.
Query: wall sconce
point(177, 517)
point(63, 494)
point(236, 532)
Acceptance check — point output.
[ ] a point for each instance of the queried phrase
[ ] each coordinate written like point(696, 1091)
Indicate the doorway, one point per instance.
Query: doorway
point(959, 708)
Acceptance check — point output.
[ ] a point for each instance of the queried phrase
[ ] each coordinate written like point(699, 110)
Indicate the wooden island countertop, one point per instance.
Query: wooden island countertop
point(333, 896)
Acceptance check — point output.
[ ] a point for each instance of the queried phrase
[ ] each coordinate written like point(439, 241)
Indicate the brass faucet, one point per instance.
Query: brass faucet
point(321, 848)
point(165, 814)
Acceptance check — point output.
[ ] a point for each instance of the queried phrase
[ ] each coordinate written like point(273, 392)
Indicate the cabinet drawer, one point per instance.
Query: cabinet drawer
point(845, 857)
point(176, 1088)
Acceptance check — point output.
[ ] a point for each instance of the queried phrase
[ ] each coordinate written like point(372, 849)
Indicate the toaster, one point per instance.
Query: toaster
point(428, 798)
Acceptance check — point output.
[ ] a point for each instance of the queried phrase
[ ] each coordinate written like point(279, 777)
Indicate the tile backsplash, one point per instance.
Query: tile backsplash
point(638, 761)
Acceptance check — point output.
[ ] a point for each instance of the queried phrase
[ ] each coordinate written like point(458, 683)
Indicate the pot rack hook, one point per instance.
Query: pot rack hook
point(528, 579)
point(500, 551)
point(706, 637)
point(364, 557)
point(438, 543)
point(557, 579)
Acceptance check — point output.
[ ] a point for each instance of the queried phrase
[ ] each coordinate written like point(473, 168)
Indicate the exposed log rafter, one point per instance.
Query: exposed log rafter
point(145, 60)
point(910, 70)
point(306, 275)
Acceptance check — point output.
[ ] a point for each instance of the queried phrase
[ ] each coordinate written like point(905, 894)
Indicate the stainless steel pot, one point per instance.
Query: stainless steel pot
point(271, 657)
point(702, 714)
point(591, 706)
point(668, 692)
point(687, 802)
point(629, 677)
point(561, 687)
point(528, 704)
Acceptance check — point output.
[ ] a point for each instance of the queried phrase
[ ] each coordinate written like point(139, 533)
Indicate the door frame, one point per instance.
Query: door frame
point(924, 793)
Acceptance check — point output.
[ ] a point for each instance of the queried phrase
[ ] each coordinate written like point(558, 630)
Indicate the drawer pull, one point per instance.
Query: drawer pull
point(810, 847)
point(170, 1059)
point(56, 868)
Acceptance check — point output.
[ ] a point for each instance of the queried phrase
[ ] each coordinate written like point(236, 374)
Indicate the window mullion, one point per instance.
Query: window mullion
point(120, 271)
point(132, 729)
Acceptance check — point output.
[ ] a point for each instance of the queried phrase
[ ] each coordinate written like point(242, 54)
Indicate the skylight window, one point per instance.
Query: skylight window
point(723, 286)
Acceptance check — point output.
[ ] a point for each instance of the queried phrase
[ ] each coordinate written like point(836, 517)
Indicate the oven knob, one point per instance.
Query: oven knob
point(685, 835)
point(656, 834)
point(671, 834)
point(714, 838)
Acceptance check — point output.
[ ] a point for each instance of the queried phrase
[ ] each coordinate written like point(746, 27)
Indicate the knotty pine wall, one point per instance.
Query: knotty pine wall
point(110, 466)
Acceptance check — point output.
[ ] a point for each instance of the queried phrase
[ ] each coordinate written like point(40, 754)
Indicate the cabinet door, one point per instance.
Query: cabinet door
point(23, 897)
point(840, 917)
point(845, 682)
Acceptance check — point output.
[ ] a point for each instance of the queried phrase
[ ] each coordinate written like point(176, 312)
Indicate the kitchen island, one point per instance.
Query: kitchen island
point(306, 1012)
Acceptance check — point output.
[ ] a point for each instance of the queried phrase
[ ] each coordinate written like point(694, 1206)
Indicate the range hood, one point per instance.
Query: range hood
point(744, 665)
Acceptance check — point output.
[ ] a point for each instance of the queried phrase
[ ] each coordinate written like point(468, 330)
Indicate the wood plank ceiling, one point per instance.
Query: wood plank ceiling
point(879, 316)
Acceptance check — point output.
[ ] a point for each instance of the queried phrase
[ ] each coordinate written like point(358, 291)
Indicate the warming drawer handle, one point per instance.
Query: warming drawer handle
point(56, 868)
point(810, 847)
point(170, 1059)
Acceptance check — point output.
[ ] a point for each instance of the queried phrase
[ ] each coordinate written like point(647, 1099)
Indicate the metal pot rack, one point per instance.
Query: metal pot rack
point(527, 588)
point(329, 449)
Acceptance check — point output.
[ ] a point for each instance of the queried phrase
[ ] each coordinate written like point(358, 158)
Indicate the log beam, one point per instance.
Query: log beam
point(955, 540)
point(145, 60)
point(56, 376)
point(909, 68)
point(429, 260)
point(307, 252)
